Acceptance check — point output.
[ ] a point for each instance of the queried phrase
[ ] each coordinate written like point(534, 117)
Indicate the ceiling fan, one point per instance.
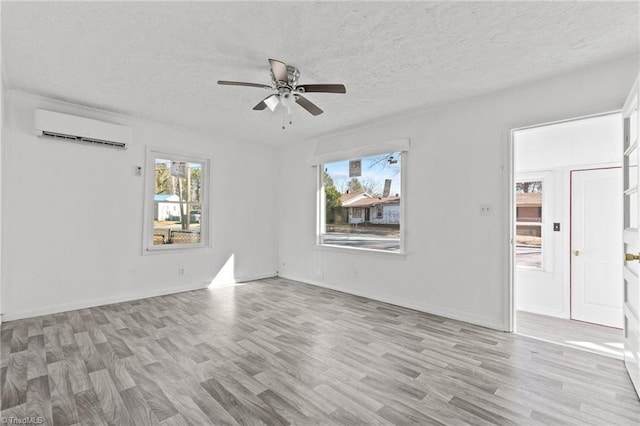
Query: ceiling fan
point(284, 79)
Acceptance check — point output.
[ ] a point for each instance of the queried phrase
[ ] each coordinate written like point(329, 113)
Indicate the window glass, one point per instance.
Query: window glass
point(362, 202)
point(178, 202)
point(529, 224)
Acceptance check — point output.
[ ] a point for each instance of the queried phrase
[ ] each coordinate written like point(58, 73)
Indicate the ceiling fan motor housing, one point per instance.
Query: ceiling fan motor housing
point(292, 78)
point(293, 74)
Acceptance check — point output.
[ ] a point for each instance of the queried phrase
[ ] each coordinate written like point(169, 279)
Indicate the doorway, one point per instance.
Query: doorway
point(564, 173)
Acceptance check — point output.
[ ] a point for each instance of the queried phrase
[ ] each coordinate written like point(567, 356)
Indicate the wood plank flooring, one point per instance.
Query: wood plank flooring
point(278, 352)
point(594, 338)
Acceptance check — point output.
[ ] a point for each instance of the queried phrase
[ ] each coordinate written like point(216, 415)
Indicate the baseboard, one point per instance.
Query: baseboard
point(245, 278)
point(418, 306)
point(99, 302)
point(543, 311)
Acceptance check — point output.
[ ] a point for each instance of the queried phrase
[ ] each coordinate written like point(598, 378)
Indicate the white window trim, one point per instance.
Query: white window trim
point(321, 219)
point(330, 151)
point(545, 178)
point(205, 220)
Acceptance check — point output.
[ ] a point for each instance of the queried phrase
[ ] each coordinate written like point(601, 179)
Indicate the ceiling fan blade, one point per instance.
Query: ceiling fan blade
point(322, 88)
point(279, 70)
point(241, 83)
point(260, 106)
point(308, 105)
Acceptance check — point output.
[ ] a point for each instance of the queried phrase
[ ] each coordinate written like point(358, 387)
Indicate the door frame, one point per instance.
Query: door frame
point(571, 240)
point(509, 299)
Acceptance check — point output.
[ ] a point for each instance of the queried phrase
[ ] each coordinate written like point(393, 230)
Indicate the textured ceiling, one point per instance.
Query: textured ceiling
point(161, 60)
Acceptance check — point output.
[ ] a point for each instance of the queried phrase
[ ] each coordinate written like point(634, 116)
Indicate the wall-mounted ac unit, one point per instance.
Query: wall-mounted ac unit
point(81, 130)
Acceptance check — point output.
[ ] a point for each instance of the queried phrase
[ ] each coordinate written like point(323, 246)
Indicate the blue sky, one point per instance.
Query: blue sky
point(339, 172)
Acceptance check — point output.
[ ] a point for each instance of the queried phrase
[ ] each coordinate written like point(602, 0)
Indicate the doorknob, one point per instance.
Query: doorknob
point(629, 257)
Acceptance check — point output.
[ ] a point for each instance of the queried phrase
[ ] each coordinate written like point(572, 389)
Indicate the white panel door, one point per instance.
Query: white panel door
point(596, 237)
point(631, 237)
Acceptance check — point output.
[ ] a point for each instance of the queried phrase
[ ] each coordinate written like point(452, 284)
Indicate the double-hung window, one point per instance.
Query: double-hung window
point(177, 209)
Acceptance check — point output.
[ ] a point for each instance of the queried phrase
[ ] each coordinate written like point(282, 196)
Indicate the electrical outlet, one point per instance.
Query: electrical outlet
point(181, 271)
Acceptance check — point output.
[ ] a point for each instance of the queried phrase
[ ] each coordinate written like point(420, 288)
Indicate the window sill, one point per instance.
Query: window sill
point(171, 248)
point(361, 251)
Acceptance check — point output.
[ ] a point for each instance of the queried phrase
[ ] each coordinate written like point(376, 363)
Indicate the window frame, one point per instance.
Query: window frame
point(149, 194)
point(321, 217)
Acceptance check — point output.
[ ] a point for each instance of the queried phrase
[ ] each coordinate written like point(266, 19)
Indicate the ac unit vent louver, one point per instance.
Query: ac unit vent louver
point(90, 141)
point(82, 130)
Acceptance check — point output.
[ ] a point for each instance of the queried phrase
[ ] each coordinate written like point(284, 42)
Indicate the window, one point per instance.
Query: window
point(176, 204)
point(529, 224)
point(360, 205)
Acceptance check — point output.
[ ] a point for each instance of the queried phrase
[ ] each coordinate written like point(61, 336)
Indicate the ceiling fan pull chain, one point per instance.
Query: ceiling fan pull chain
point(283, 112)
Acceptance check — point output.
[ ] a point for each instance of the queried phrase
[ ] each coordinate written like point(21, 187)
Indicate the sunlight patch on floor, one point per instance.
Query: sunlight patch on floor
point(579, 335)
point(617, 351)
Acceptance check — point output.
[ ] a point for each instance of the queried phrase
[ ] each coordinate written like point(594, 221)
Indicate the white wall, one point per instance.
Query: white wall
point(73, 214)
point(457, 262)
point(555, 151)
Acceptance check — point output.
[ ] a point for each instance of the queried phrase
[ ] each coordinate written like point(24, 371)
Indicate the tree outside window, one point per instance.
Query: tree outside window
point(179, 209)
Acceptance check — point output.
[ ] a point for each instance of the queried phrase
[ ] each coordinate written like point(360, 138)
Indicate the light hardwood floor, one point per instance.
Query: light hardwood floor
point(594, 338)
point(279, 352)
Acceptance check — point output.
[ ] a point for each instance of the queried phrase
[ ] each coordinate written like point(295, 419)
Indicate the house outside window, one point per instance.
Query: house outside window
point(362, 211)
point(176, 205)
point(529, 224)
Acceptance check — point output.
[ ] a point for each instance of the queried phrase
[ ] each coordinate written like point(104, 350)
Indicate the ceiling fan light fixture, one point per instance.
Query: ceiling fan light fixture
point(272, 102)
point(287, 100)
